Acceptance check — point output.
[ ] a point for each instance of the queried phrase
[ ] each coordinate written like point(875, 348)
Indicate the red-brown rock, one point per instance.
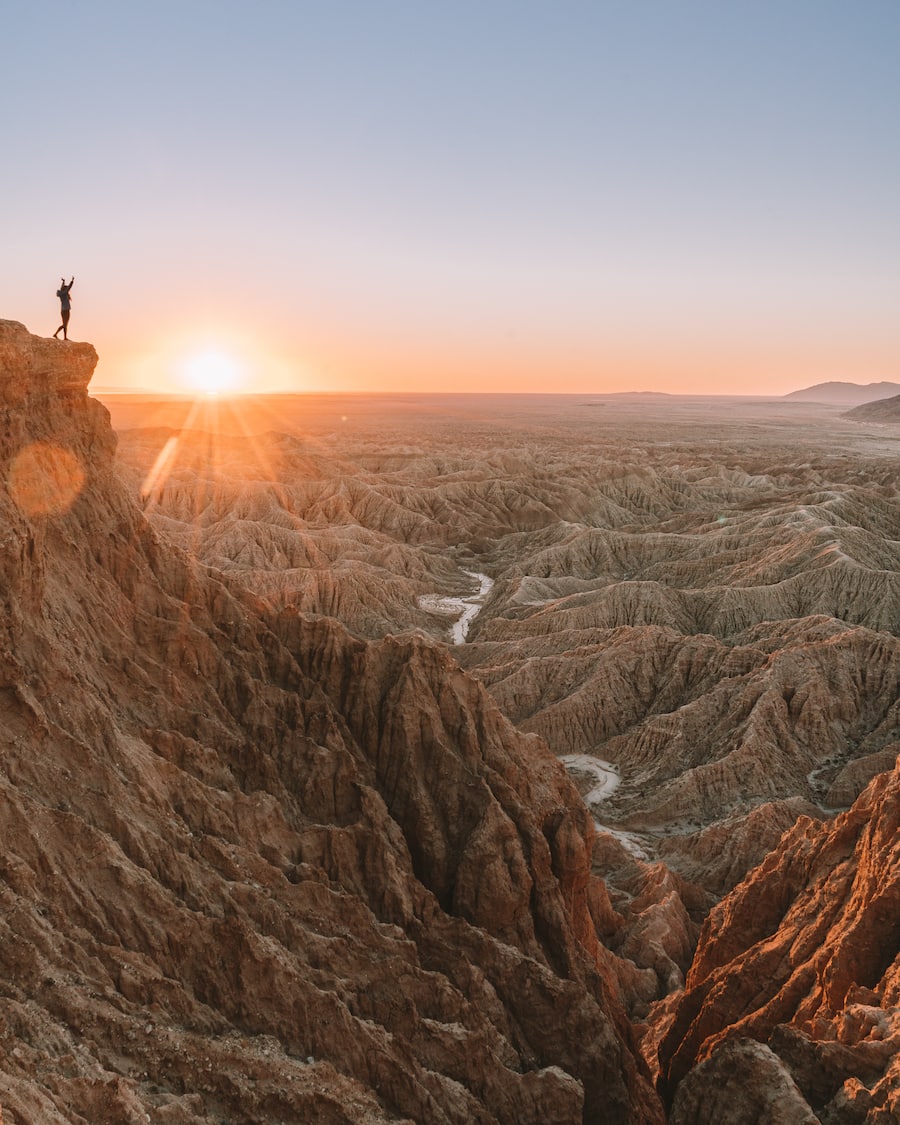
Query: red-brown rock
point(803, 956)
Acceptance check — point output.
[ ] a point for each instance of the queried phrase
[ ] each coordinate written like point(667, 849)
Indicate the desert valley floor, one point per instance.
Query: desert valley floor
point(445, 760)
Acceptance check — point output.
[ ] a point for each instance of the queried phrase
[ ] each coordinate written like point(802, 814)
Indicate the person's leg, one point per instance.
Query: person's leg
point(65, 324)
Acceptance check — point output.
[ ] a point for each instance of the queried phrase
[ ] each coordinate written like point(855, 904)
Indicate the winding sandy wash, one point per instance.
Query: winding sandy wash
point(466, 608)
point(607, 780)
point(605, 775)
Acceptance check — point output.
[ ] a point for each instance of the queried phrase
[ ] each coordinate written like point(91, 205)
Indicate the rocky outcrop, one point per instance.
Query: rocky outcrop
point(743, 1083)
point(719, 856)
point(856, 775)
point(254, 868)
point(803, 956)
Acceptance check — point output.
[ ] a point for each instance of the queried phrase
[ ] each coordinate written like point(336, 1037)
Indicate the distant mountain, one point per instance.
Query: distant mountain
point(845, 394)
point(883, 410)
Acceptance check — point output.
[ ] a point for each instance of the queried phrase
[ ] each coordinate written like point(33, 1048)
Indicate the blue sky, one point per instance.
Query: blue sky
point(412, 195)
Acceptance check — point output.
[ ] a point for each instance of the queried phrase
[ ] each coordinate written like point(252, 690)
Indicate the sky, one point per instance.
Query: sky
point(474, 195)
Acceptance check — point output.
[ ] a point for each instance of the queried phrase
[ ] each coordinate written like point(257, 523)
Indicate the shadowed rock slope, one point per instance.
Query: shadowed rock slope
point(254, 869)
point(795, 986)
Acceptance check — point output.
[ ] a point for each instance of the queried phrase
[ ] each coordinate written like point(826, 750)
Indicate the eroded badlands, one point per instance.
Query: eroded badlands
point(694, 603)
point(298, 701)
point(704, 593)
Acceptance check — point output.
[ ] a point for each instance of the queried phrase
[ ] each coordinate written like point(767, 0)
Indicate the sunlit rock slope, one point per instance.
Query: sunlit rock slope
point(794, 995)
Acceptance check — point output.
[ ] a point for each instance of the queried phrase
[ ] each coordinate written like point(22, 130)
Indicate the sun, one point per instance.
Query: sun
point(212, 372)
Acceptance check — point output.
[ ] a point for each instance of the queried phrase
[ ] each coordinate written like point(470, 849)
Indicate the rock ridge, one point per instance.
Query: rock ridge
point(803, 957)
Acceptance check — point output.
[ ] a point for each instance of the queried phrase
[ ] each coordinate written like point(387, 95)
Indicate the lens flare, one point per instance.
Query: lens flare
point(45, 479)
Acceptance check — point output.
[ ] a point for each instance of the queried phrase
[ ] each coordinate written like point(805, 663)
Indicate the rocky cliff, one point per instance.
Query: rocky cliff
point(255, 869)
point(792, 1004)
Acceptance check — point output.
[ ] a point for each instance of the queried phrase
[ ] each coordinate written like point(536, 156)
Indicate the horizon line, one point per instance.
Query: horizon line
point(144, 392)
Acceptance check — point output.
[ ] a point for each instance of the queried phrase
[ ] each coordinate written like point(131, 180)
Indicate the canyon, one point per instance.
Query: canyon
point(706, 596)
point(445, 758)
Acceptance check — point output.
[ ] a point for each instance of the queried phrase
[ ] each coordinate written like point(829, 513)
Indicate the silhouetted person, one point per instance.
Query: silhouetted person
point(65, 305)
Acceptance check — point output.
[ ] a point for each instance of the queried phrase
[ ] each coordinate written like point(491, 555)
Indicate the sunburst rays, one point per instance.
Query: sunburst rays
point(200, 445)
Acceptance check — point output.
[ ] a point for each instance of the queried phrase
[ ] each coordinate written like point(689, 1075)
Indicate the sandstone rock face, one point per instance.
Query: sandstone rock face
point(719, 856)
point(857, 774)
point(255, 868)
point(804, 956)
point(742, 1083)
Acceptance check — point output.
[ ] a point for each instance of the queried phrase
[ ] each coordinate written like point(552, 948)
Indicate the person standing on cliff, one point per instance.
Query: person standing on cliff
point(65, 305)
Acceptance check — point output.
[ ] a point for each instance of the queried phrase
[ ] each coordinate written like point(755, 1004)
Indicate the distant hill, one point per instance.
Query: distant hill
point(884, 410)
point(845, 394)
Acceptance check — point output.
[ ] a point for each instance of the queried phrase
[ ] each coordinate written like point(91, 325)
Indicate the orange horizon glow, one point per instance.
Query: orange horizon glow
point(190, 363)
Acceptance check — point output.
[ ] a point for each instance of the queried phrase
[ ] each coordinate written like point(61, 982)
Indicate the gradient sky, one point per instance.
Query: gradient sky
point(468, 195)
